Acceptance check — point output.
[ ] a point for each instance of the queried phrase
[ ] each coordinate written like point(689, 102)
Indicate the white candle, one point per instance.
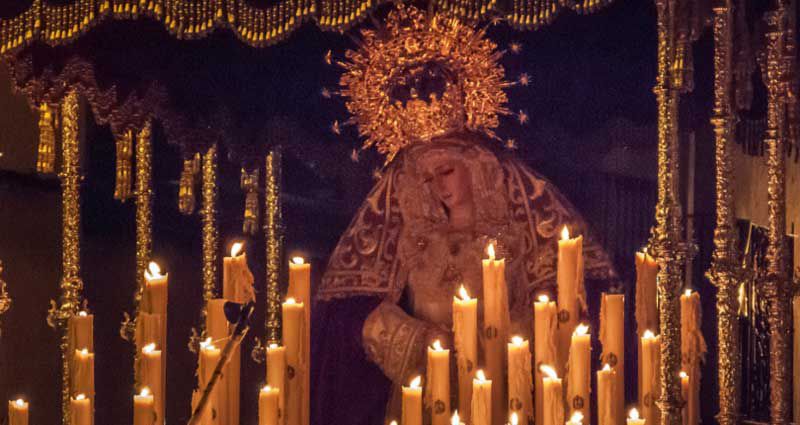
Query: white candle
point(80, 410)
point(545, 322)
point(144, 408)
point(796, 358)
point(155, 290)
point(693, 351)
point(268, 410)
point(412, 402)
point(83, 373)
point(209, 357)
point(481, 399)
point(685, 383)
point(496, 320)
point(651, 365)
point(571, 292)
point(646, 309)
point(152, 378)
point(612, 337)
point(18, 412)
point(465, 331)
point(294, 340)
point(519, 378)
point(606, 381)
point(553, 397)
point(633, 418)
point(579, 380)
point(276, 373)
point(438, 383)
point(81, 331)
point(300, 290)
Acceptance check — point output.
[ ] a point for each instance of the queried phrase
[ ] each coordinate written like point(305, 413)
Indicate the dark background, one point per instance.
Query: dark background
point(592, 131)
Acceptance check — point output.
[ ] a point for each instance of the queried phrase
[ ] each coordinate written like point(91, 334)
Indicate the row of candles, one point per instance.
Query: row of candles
point(483, 395)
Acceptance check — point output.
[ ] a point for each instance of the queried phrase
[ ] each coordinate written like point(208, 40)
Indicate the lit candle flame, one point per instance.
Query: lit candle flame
point(266, 389)
point(298, 260)
point(576, 417)
point(490, 251)
point(633, 414)
point(480, 375)
point(20, 402)
point(290, 301)
point(82, 313)
point(456, 420)
point(648, 334)
point(206, 343)
point(236, 249)
point(80, 396)
point(549, 371)
point(84, 352)
point(416, 382)
point(544, 299)
point(644, 251)
point(607, 367)
point(513, 419)
point(437, 346)
point(149, 348)
point(581, 329)
point(565, 234)
point(463, 294)
point(517, 340)
point(683, 375)
point(153, 270)
point(393, 423)
point(273, 346)
point(688, 292)
point(145, 392)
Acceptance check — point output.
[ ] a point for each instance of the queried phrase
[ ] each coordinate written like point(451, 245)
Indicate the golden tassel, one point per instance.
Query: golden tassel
point(46, 161)
point(122, 189)
point(249, 183)
point(186, 193)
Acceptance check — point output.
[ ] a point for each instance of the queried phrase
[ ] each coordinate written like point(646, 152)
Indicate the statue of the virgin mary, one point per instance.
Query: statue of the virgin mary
point(427, 91)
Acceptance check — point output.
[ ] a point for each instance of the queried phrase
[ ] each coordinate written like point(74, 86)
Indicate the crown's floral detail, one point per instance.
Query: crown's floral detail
point(420, 77)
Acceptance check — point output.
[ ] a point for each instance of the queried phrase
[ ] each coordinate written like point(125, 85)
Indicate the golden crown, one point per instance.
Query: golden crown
point(420, 77)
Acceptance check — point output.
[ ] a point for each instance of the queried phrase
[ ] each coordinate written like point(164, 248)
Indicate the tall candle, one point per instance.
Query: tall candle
point(151, 378)
point(465, 330)
point(148, 329)
point(412, 403)
point(294, 341)
point(633, 418)
point(18, 412)
point(83, 375)
point(209, 357)
point(796, 358)
point(519, 378)
point(651, 365)
point(228, 394)
point(496, 323)
point(612, 337)
point(693, 351)
point(646, 306)
point(144, 412)
point(81, 331)
point(80, 410)
point(685, 383)
point(571, 292)
point(276, 373)
point(300, 290)
point(606, 381)
point(438, 383)
point(481, 399)
point(268, 409)
point(237, 286)
point(579, 379)
point(553, 397)
point(545, 322)
point(154, 301)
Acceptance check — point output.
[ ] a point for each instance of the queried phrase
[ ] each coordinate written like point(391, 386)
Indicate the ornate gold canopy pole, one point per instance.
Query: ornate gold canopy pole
point(669, 249)
point(777, 285)
point(210, 231)
point(144, 209)
point(723, 272)
point(71, 284)
point(274, 243)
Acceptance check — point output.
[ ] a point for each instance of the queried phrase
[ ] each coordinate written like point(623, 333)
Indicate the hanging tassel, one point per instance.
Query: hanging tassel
point(249, 183)
point(46, 160)
point(186, 194)
point(122, 189)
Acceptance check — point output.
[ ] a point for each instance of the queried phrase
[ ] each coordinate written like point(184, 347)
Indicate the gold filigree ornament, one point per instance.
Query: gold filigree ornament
point(422, 76)
point(5, 299)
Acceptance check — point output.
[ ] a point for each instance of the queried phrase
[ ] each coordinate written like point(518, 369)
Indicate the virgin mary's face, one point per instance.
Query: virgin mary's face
point(449, 180)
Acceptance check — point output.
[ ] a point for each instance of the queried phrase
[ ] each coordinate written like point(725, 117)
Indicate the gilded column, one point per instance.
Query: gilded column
point(144, 209)
point(210, 231)
point(777, 285)
point(723, 272)
point(669, 248)
point(273, 236)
